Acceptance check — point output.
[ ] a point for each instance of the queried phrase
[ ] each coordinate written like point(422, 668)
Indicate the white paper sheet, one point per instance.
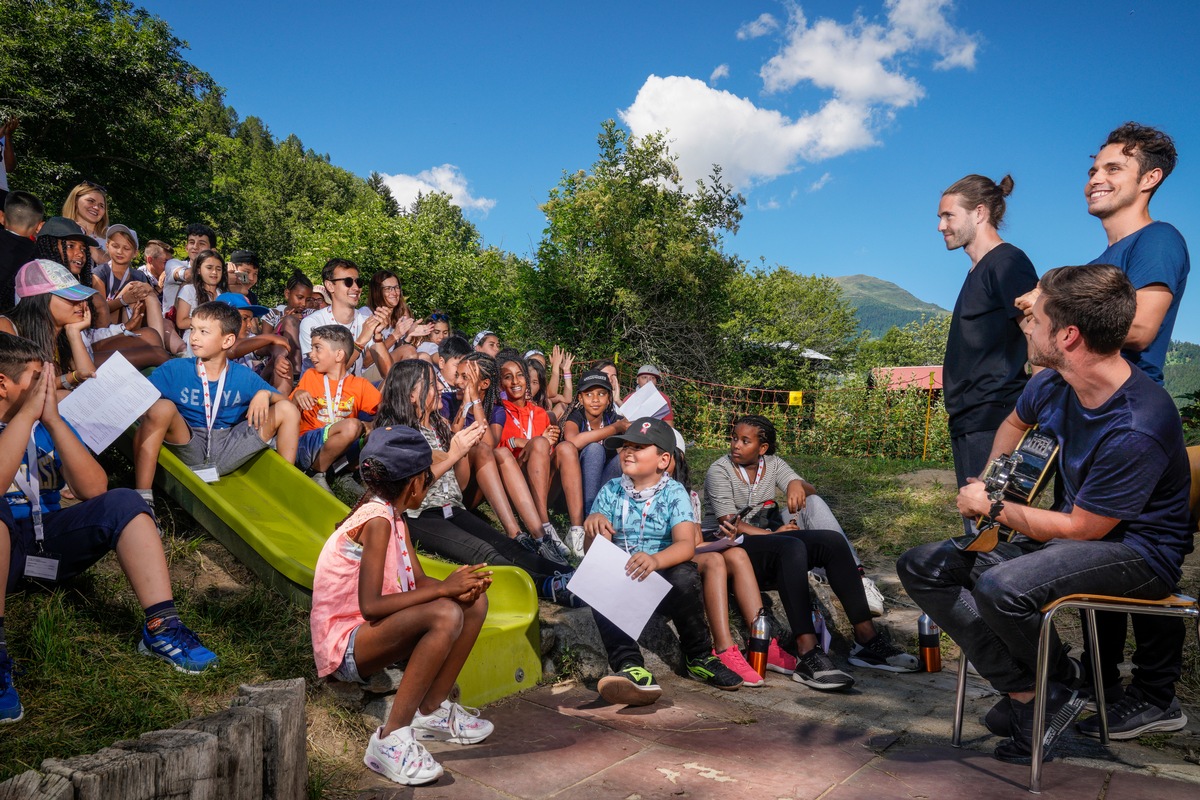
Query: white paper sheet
point(103, 407)
point(645, 402)
point(721, 543)
point(601, 582)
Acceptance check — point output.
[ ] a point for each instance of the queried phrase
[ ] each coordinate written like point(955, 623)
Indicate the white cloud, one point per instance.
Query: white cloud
point(721, 71)
point(447, 178)
point(820, 182)
point(759, 27)
point(863, 64)
point(769, 205)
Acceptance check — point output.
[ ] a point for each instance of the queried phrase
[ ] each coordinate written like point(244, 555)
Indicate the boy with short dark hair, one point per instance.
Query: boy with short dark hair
point(23, 216)
point(330, 400)
point(215, 414)
point(243, 272)
point(649, 515)
point(40, 539)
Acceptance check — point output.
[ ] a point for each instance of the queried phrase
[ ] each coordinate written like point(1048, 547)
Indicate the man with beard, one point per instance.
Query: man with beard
point(1119, 524)
point(984, 368)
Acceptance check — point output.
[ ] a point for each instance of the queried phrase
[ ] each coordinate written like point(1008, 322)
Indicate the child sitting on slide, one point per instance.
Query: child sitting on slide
point(39, 539)
point(330, 401)
point(214, 414)
point(373, 605)
point(649, 516)
point(265, 353)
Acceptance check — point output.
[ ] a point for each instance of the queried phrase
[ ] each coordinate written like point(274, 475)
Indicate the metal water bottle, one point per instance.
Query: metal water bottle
point(929, 639)
point(760, 640)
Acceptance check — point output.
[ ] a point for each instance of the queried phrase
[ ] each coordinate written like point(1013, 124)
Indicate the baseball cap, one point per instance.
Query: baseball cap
point(319, 288)
point(529, 353)
point(592, 379)
point(649, 369)
point(680, 444)
point(479, 337)
point(646, 430)
point(240, 302)
point(400, 452)
point(125, 229)
point(63, 228)
point(44, 276)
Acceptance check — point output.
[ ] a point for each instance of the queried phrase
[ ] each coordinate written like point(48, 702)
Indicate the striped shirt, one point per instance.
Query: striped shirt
point(726, 493)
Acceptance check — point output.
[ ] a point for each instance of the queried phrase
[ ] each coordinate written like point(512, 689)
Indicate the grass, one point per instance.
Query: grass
point(84, 685)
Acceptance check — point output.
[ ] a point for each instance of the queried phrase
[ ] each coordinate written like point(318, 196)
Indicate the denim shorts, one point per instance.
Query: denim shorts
point(347, 671)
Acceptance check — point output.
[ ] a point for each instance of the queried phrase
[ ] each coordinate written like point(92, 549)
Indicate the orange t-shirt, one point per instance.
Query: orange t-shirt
point(358, 395)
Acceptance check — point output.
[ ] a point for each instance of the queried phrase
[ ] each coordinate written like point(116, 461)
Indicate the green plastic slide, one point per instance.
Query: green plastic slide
point(276, 520)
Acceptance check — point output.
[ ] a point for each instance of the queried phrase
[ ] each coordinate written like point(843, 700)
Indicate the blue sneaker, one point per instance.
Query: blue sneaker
point(10, 704)
point(172, 641)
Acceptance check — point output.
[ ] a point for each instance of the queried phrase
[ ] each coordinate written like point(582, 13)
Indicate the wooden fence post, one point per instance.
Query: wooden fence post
point(285, 760)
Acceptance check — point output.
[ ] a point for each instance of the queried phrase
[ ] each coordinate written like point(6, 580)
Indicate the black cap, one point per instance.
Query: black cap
point(244, 257)
point(63, 228)
point(591, 379)
point(646, 430)
point(400, 450)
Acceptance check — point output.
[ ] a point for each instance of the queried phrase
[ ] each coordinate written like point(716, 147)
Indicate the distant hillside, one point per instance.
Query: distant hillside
point(1181, 372)
point(882, 304)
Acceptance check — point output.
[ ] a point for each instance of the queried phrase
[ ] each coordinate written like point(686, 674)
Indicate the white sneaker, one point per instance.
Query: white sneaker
point(319, 479)
point(401, 758)
point(453, 723)
point(575, 537)
point(874, 597)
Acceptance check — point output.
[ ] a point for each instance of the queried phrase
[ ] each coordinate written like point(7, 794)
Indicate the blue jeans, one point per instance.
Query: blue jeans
point(990, 603)
point(598, 466)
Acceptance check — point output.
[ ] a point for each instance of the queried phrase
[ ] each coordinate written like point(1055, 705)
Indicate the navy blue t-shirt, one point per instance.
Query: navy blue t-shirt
point(1124, 459)
point(1153, 254)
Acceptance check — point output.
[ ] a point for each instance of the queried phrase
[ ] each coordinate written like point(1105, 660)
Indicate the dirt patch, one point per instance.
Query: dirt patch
point(926, 478)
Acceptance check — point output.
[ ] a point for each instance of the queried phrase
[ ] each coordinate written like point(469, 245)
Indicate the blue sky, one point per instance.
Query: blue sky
point(841, 124)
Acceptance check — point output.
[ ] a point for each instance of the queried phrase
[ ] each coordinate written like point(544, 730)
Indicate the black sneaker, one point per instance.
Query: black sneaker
point(998, 719)
point(1112, 695)
point(1063, 705)
point(633, 685)
point(555, 590)
point(879, 653)
point(816, 671)
point(709, 669)
point(1131, 717)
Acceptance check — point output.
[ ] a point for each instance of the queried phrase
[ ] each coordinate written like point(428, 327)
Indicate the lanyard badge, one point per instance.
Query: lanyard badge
point(207, 471)
point(332, 401)
point(42, 565)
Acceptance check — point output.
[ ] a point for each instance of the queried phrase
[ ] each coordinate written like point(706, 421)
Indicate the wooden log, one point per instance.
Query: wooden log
point(187, 762)
point(109, 773)
point(239, 733)
point(33, 785)
point(285, 760)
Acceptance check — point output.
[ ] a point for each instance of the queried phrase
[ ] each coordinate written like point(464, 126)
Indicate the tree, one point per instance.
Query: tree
point(104, 94)
point(630, 262)
point(773, 317)
point(918, 343)
point(390, 206)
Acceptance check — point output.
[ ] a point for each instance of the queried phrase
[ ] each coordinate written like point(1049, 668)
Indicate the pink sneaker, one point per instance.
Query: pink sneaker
point(734, 659)
point(780, 660)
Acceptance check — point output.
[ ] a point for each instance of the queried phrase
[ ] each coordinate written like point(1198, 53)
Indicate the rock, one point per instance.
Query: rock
point(385, 681)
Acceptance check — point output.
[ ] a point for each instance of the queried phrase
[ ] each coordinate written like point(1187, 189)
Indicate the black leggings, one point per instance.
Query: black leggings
point(467, 539)
point(782, 560)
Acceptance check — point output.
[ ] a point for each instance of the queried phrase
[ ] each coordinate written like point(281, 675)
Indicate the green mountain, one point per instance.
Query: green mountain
point(881, 304)
point(1181, 372)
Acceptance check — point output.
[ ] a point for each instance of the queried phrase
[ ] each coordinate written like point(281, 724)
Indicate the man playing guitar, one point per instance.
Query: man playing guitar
point(1119, 524)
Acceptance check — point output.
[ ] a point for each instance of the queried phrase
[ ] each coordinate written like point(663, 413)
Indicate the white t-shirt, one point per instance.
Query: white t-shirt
point(324, 316)
point(174, 282)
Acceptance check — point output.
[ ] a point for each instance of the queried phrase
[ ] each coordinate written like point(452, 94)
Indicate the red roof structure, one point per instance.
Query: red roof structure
point(892, 378)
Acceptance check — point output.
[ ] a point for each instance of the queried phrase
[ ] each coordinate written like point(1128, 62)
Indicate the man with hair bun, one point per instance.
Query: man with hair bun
point(984, 369)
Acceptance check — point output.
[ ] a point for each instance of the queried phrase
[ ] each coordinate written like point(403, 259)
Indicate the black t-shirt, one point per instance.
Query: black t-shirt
point(984, 369)
point(15, 252)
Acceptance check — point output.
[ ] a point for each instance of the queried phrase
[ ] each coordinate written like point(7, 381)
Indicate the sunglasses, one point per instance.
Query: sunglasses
point(96, 186)
point(439, 317)
point(347, 282)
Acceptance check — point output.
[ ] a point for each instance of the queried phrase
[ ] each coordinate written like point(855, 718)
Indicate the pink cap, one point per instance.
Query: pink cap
point(44, 276)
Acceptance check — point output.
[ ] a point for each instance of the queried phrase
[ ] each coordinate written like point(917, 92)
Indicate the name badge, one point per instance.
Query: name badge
point(41, 567)
point(447, 511)
point(207, 473)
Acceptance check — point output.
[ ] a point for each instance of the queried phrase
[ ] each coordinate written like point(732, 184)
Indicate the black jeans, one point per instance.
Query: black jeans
point(467, 539)
point(991, 603)
point(782, 560)
point(1157, 658)
point(683, 605)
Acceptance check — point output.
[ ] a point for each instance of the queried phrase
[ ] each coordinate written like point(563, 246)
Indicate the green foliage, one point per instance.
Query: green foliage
point(103, 93)
point(918, 343)
point(630, 262)
point(1181, 372)
point(390, 206)
point(772, 317)
point(881, 304)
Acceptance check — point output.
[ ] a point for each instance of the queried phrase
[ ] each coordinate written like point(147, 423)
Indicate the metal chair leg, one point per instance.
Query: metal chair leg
point(1089, 616)
point(960, 699)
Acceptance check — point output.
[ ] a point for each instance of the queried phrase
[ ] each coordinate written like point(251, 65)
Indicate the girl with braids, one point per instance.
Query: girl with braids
point(209, 279)
point(739, 495)
point(530, 462)
point(478, 475)
point(441, 523)
point(373, 605)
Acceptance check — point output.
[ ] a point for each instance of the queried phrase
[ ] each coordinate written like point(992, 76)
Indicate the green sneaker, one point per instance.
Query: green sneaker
point(709, 669)
point(633, 685)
